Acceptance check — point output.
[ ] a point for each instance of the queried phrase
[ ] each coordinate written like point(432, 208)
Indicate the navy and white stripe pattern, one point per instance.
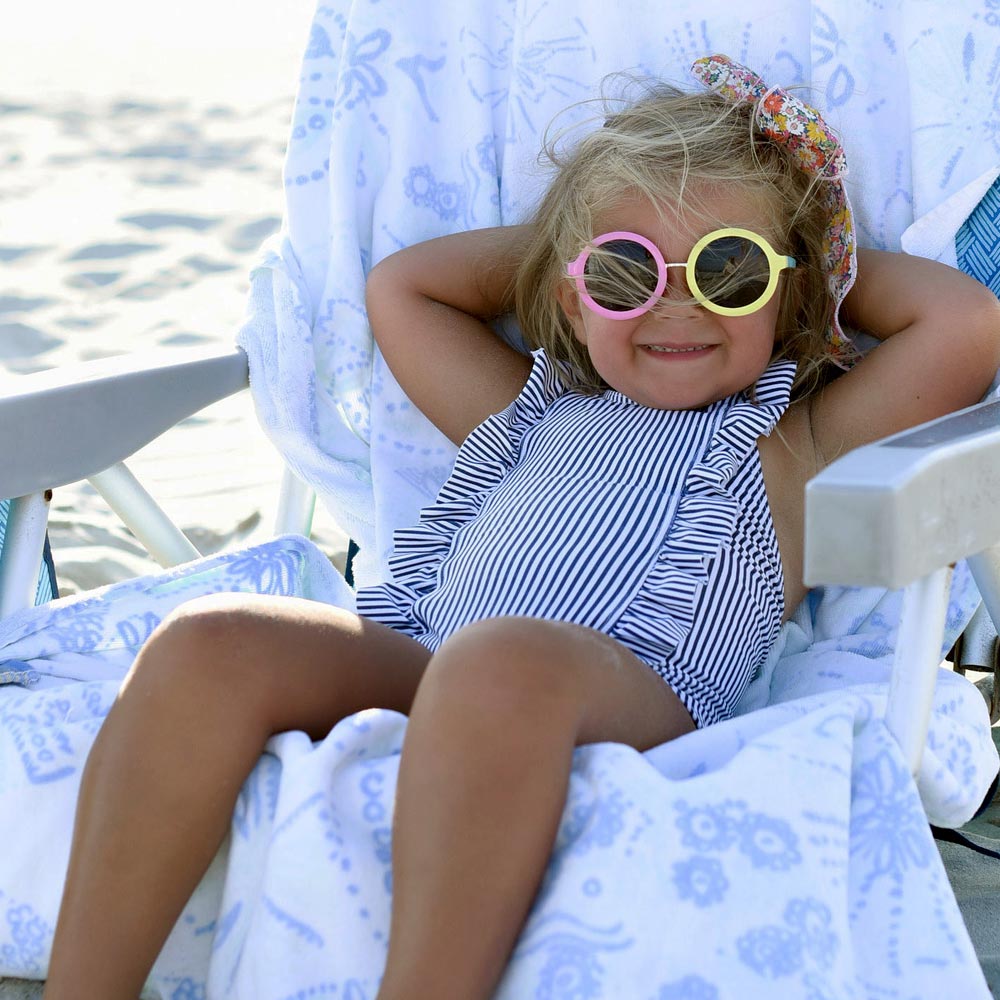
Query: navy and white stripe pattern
point(649, 525)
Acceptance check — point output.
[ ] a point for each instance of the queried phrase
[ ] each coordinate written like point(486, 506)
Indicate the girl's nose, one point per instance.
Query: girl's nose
point(676, 294)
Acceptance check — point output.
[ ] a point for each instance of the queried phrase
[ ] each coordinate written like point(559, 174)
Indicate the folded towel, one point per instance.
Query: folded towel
point(935, 234)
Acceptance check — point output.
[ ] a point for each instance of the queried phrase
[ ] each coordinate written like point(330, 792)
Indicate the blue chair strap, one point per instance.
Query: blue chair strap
point(977, 242)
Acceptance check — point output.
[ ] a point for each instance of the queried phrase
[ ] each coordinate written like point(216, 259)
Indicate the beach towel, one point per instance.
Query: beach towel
point(784, 853)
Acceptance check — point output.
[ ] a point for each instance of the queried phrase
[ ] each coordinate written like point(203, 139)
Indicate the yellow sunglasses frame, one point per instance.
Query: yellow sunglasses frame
point(777, 263)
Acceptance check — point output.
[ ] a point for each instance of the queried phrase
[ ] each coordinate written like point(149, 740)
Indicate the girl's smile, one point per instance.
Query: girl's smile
point(677, 351)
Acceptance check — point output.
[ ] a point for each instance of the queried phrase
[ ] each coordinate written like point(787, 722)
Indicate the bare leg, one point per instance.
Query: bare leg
point(482, 785)
point(208, 689)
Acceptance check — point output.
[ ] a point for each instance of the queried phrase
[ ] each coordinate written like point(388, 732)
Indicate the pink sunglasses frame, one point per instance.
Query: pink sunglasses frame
point(575, 269)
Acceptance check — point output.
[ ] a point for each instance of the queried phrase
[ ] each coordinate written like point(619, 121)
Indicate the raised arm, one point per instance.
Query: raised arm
point(429, 306)
point(942, 349)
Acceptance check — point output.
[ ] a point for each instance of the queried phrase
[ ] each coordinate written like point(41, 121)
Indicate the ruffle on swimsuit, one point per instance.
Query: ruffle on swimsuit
point(484, 459)
point(678, 510)
point(704, 525)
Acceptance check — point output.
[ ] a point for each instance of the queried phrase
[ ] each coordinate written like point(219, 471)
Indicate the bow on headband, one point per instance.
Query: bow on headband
point(814, 147)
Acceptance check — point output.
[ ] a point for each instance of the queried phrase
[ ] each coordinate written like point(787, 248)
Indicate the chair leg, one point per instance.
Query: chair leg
point(978, 649)
point(124, 494)
point(915, 666)
point(21, 559)
point(990, 687)
point(296, 506)
point(985, 568)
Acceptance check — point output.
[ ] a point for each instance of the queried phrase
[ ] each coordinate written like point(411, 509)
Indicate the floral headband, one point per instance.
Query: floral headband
point(813, 146)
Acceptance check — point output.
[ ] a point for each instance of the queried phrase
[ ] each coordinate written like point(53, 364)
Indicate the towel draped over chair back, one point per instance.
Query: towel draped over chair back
point(415, 120)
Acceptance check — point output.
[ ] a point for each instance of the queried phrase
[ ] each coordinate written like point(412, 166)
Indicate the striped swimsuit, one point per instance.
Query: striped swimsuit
point(649, 525)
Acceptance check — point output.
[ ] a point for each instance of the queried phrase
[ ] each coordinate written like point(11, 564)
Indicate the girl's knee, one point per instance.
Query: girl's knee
point(203, 641)
point(505, 664)
point(198, 623)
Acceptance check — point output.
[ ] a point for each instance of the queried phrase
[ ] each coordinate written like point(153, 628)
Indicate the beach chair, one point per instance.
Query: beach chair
point(791, 841)
point(82, 422)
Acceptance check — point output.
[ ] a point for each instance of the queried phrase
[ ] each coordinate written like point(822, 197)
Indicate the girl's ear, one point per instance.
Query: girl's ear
point(569, 301)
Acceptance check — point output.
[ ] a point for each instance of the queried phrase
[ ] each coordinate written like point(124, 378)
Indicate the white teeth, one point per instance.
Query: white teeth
point(675, 350)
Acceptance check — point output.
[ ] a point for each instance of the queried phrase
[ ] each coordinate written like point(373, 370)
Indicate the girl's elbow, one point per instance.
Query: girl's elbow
point(384, 290)
point(973, 333)
point(378, 282)
point(982, 321)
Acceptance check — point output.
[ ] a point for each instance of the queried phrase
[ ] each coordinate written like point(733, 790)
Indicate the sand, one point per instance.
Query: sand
point(140, 170)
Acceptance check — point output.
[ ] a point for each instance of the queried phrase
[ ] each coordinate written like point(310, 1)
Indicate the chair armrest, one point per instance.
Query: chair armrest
point(894, 511)
point(63, 425)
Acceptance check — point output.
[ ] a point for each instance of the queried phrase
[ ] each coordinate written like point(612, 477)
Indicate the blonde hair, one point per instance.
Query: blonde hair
point(667, 147)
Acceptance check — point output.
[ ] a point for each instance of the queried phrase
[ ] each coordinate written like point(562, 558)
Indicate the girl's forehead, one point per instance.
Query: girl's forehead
point(701, 210)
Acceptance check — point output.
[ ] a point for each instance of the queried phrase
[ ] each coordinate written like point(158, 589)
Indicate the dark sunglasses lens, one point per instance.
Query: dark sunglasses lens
point(732, 271)
point(620, 275)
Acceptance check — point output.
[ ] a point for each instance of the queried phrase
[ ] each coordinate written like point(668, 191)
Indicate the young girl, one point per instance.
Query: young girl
point(615, 550)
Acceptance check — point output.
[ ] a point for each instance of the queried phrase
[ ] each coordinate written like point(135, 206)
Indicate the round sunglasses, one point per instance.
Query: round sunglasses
point(733, 272)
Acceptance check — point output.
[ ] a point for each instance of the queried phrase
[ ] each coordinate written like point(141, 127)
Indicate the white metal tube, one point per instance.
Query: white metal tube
point(915, 665)
point(985, 567)
point(124, 494)
point(21, 559)
point(296, 506)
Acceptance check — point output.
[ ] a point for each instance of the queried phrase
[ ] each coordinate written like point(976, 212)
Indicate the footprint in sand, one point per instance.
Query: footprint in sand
point(170, 220)
point(112, 251)
point(19, 341)
point(185, 339)
point(183, 275)
point(93, 279)
point(205, 265)
point(250, 235)
point(162, 283)
point(15, 303)
point(8, 255)
point(83, 323)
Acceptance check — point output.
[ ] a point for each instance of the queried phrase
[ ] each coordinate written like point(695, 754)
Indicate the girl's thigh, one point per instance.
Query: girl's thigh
point(296, 663)
point(518, 664)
